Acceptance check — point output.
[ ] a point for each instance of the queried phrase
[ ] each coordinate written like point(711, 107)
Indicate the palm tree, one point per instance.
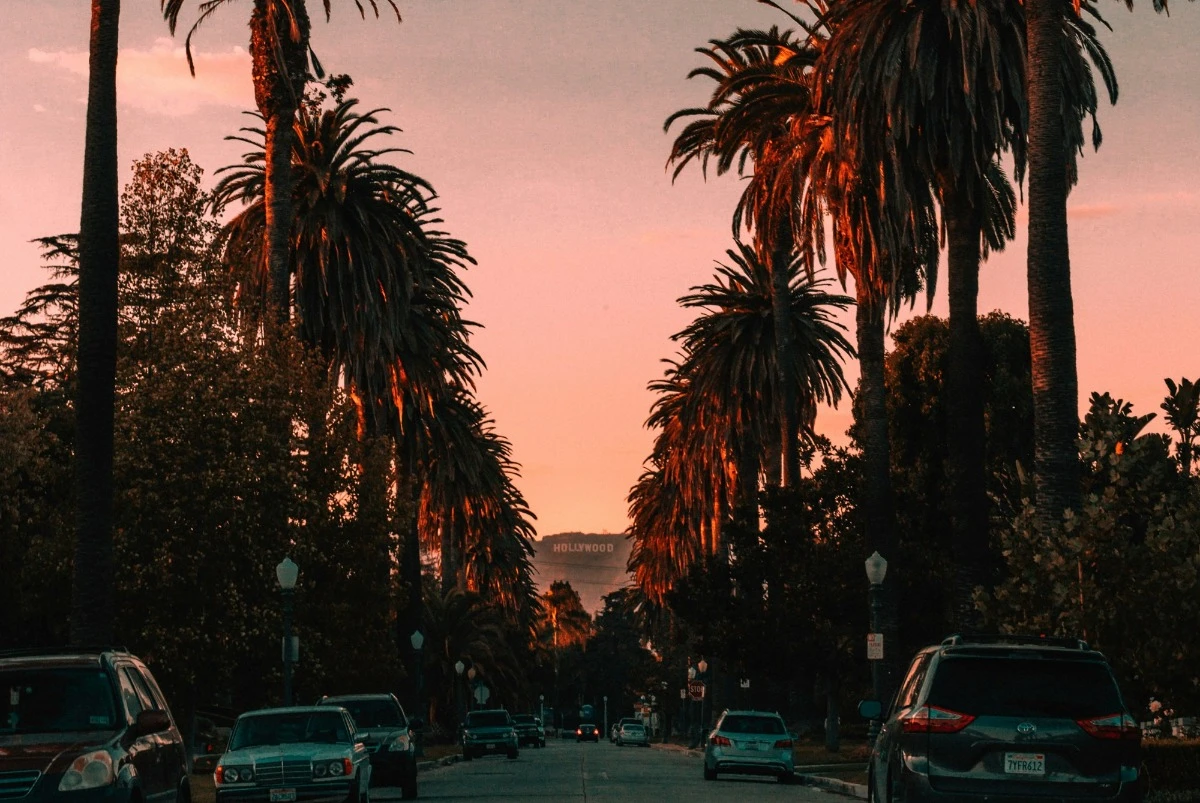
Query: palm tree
point(736, 129)
point(99, 256)
point(939, 87)
point(1182, 409)
point(279, 53)
point(1048, 267)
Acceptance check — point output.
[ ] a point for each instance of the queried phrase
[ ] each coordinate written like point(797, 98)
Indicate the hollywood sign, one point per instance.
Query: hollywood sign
point(583, 547)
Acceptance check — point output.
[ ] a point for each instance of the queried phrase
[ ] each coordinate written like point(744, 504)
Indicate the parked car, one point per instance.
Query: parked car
point(281, 755)
point(91, 724)
point(529, 730)
point(633, 733)
point(1012, 717)
point(388, 736)
point(587, 732)
point(612, 732)
point(489, 731)
point(750, 742)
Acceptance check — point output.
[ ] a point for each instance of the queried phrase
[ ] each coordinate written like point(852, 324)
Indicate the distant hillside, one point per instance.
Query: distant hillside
point(593, 564)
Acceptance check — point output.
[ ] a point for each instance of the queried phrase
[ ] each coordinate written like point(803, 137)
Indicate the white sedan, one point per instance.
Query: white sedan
point(287, 755)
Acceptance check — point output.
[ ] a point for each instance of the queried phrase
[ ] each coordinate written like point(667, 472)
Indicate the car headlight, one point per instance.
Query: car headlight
point(400, 742)
point(339, 767)
point(234, 775)
point(89, 771)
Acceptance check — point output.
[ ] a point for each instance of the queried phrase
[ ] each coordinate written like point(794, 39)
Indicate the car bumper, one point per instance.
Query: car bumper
point(47, 790)
point(772, 763)
point(387, 765)
point(312, 793)
point(919, 790)
point(483, 748)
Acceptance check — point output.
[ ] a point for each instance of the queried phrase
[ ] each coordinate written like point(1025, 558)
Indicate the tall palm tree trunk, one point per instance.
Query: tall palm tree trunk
point(785, 344)
point(99, 258)
point(875, 500)
point(451, 572)
point(278, 88)
point(965, 435)
point(1051, 309)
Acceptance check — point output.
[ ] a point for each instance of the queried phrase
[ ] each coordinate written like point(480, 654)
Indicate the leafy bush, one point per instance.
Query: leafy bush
point(1173, 769)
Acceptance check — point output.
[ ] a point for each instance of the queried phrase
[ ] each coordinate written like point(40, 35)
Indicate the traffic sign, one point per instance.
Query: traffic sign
point(696, 689)
point(875, 646)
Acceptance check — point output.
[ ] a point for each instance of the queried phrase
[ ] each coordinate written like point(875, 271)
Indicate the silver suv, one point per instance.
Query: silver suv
point(1005, 718)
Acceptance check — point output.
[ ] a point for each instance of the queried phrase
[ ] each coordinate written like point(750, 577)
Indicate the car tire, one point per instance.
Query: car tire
point(709, 775)
point(896, 791)
point(513, 754)
point(784, 777)
point(467, 755)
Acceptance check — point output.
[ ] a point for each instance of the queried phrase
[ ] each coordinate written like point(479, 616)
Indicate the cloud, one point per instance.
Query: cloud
point(1092, 211)
point(157, 80)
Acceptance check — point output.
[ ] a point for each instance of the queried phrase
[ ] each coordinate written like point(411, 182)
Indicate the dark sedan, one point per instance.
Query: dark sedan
point(587, 732)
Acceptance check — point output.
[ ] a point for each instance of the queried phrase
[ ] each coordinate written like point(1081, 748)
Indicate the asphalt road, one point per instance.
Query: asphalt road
point(568, 771)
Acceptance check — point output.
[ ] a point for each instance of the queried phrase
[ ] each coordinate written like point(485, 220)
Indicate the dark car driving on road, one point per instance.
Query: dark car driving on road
point(489, 731)
point(388, 738)
point(1006, 718)
point(87, 725)
point(587, 732)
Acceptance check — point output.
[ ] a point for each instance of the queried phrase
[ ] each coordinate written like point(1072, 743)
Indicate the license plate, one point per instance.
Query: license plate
point(283, 795)
point(1025, 763)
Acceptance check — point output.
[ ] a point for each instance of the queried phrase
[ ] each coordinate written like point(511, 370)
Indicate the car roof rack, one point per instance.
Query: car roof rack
point(961, 639)
point(84, 649)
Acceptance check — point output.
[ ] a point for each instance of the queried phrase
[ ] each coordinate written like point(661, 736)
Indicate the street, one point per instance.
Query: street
point(565, 770)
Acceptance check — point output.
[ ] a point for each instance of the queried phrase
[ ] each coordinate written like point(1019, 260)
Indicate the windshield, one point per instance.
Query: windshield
point(487, 719)
point(372, 713)
point(58, 700)
point(254, 730)
point(741, 723)
point(524, 719)
point(1022, 687)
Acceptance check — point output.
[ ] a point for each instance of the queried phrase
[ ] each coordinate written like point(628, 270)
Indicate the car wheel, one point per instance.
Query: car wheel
point(408, 787)
point(513, 754)
point(467, 755)
point(784, 777)
point(184, 794)
point(709, 775)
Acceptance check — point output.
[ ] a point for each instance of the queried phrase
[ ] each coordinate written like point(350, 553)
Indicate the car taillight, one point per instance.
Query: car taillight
point(721, 741)
point(783, 743)
point(1113, 726)
point(578, 731)
point(931, 719)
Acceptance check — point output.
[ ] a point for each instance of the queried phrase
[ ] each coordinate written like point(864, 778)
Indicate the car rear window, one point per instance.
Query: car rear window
point(523, 719)
point(487, 719)
point(742, 723)
point(371, 713)
point(1024, 687)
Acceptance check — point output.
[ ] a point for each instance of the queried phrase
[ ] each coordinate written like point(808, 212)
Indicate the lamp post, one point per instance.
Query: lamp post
point(286, 573)
point(876, 567)
point(693, 723)
point(417, 640)
point(606, 715)
point(702, 666)
point(471, 691)
point(459, 667)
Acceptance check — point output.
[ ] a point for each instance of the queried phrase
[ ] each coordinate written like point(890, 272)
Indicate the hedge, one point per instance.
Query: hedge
point(1173, 770)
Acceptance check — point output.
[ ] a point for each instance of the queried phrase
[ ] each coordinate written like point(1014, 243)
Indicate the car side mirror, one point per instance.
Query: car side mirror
point(870, 709)
point(148, 722)
point(360, 737)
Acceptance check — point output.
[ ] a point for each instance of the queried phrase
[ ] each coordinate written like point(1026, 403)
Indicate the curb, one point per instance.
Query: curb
point(857, 790)
point(425, 766)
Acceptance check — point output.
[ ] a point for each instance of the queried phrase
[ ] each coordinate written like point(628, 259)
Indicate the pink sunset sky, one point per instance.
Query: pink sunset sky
point(540, 124)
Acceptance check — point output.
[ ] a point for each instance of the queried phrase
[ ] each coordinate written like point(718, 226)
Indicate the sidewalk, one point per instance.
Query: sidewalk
point(808, 774)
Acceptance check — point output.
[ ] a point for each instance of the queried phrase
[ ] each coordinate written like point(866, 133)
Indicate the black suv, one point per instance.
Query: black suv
point(88, 724)
point(389, 738)
point(529, 730)
point(1007, 718)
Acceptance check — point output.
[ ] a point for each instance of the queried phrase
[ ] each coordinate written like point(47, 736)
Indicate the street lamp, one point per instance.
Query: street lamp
point(459, 666)
point(470, 689)
point(286, 573)
point(702, 666)
point(876, 567)
point(417, 640)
